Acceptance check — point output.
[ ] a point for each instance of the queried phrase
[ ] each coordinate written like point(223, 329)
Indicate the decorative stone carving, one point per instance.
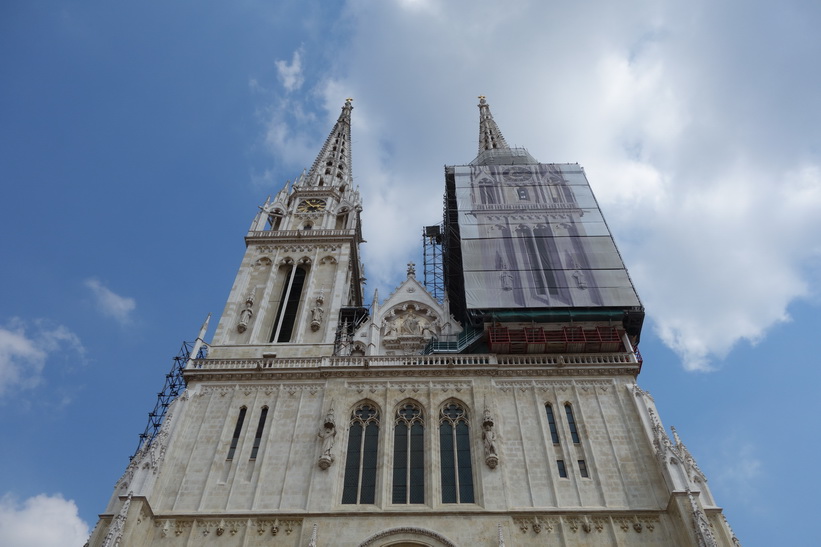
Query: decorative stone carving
point(317, 312)
point(523, 524)
point(409, 328)
point(623, 522)
point(701, 526)
point(407, 530)
point(247, 312)
point(489, 438)
point(573, 523)
point(328, 435)
point(115, 530)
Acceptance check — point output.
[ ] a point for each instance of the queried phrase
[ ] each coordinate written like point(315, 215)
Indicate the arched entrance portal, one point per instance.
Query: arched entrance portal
point(407, 537)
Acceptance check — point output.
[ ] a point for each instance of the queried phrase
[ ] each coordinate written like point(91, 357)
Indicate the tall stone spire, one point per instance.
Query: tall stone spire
point(332, 166)
point(490, 137)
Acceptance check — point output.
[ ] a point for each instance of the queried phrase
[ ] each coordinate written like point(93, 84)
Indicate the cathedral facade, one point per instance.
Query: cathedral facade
point(506, 413)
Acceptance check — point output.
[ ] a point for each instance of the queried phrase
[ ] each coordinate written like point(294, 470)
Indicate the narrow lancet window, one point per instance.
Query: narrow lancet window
point(562, 469)
point(551, 422)
point(359, 485)
point(454, 443)
point(409, 455)
point(258, 437)
point(288, 304)
point(237, 431)
point(583, 469)
point(571, 423)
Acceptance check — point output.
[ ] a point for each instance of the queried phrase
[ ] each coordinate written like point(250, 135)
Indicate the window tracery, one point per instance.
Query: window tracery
point(359, 485)
point(454, 443)
point(409, 455)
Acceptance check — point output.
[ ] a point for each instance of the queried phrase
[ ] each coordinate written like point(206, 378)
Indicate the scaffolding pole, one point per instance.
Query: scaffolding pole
point(174, 385)
point(434, 274)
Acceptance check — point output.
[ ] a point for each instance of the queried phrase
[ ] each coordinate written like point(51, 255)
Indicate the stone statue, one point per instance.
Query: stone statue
point(246, 313)
point(411, 325)
point(489, 438)
point(317, 313)
point(328, 436)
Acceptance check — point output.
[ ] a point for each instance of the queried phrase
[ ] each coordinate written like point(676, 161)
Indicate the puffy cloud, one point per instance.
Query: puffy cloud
point(23, 356)
point(740, 471)
point(111, 303)
point(694, 145)
point(41, 521)
point(291, 74)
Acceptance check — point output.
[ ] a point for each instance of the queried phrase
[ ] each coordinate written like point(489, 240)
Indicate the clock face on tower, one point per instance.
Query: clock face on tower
point(311, 206)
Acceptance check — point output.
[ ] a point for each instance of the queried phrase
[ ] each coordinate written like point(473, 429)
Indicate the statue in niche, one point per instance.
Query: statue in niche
point(317, 312)
point(246, 313)
point(328, 436)
point(489, 438)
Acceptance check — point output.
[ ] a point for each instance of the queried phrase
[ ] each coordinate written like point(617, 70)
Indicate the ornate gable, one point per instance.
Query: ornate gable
point(405, 322)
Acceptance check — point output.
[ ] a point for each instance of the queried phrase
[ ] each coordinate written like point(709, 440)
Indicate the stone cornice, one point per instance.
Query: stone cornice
point(611, 364)
point(298, 236)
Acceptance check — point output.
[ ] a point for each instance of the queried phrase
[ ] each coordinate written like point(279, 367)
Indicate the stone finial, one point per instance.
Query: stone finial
point(412, 269)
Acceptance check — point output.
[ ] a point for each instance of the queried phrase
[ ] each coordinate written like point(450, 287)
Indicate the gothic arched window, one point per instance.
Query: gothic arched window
point(571, 423)
point(454, 443)
point(360, 465)
point(288, 304)
point(551, 422)
point(409, 455)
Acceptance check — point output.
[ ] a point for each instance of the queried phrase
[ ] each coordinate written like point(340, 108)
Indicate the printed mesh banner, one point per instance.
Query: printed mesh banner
point(533, 237)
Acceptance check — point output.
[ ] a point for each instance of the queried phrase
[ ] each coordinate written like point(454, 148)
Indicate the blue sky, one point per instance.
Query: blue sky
point(136, 142)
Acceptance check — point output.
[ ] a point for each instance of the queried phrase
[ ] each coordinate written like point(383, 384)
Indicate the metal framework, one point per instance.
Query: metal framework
point(174, 384)
point(350, 318)
point(434, 272)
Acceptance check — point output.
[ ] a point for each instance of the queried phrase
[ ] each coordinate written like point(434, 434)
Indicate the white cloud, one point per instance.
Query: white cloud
point(111, 303)
point(23, 356)
point(291, 74)
point(41, 521)
point(740, 473)
point(711, 191)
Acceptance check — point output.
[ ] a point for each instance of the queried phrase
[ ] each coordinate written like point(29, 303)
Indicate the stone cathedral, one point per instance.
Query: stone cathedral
point(501, 410)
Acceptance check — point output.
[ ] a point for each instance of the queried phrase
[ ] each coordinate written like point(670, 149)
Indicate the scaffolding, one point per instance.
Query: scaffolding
point(350, 319)
point(174, 385)
point(434, 272)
